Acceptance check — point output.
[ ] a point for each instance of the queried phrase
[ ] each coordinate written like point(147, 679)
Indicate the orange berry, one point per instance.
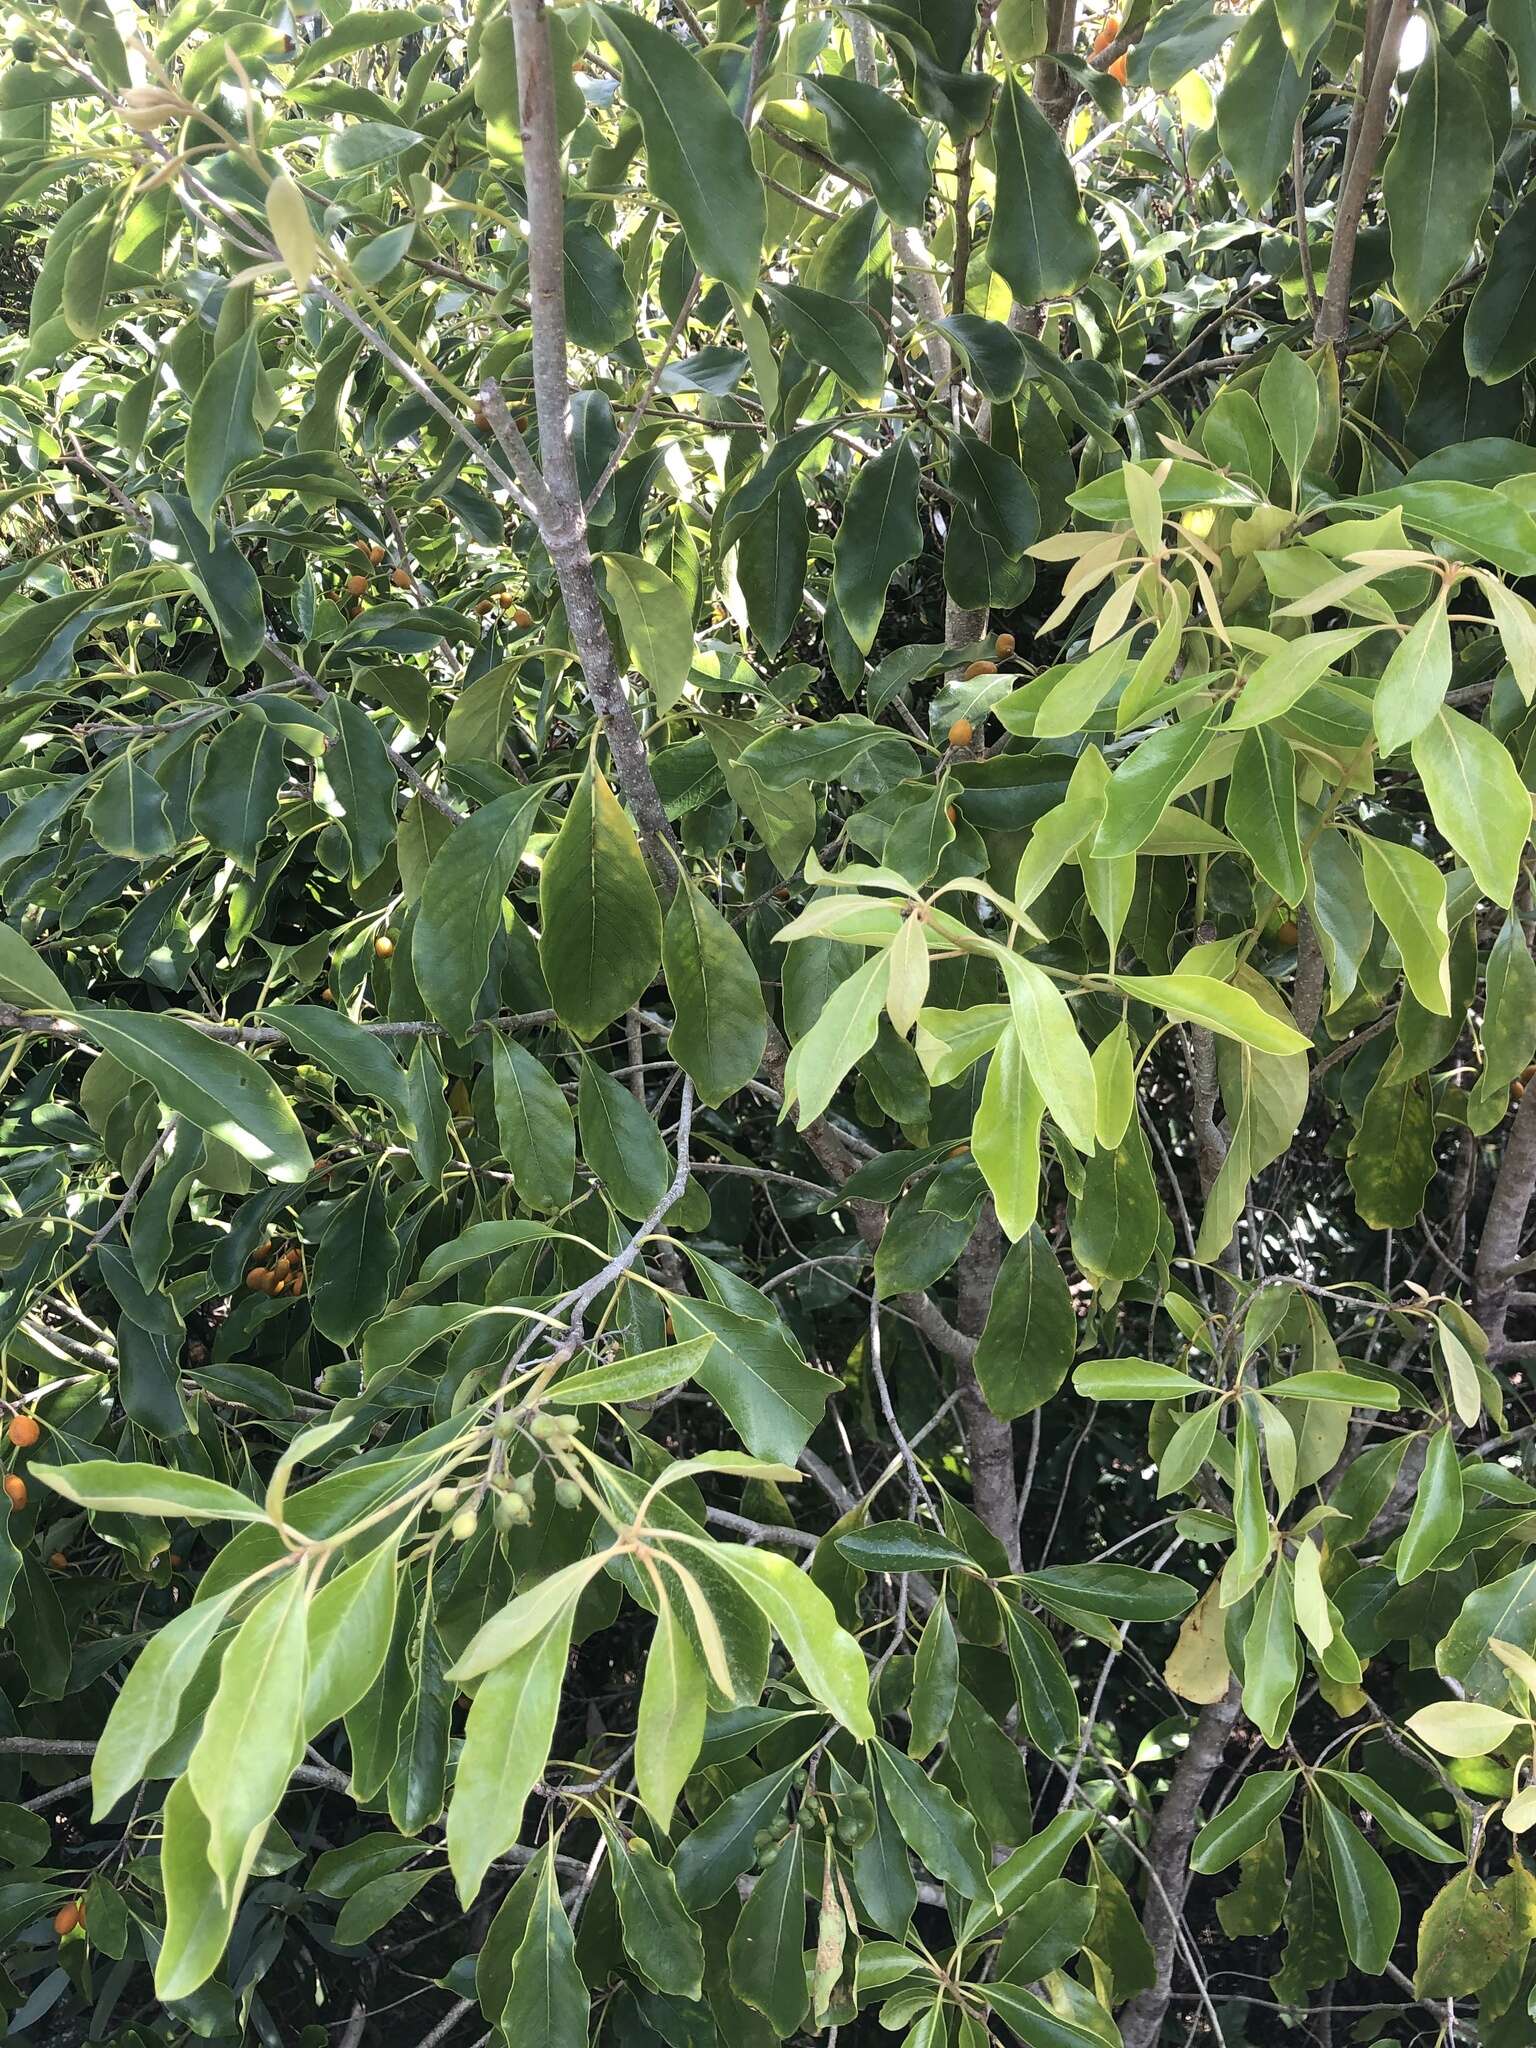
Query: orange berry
point(401, 578)
point(58, 1561)
point(23, 1431)
point(356, 585)
point(263, 1250)
point(1117, 71)
point(482, 419)
point(365, 550)
point(1105, 36)
point(521, 422)
point(1287, 933)
point(375, 554)
point(67, 1919)
point(951, 813)
point(282, 1267)
point(979, 668)
point(279, 1287)
point(383, 946)
point(522, 617)
point(505, 599)
point(327, 995)
point(296, 1284)
point(259, 1279)
point(15, 1488)
point(1005, 645)
point(961, 733)
point(482, 606)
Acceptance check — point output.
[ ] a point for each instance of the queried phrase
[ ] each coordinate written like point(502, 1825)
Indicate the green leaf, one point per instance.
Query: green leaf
point(698, 162)
point(656, 621)
point(879, 534)
point(1135, 1379)
point(197, 1919)
point(1414, 682)
point(601, 939)
point(1477, 797)
point(1243, 1821)
point(26, 979)
point(362, 1059)
point(533, 1119)
point(636, 1379)
point(1030, 1335)
point(845, 1030)
point(711, 1859)
point(358, 785)
point(217, 1087)
point(1285, 676)
point(1466, 1936)
point(902, 1547)
point(935, 1683)
point(128, 1489)
point(128, 813)
point(506, 1745)
point(351, 1620)
point(1291, 405)
point(1261, 811)
point(1393, 1818)
point(937, 1828)
point(875, 136)
point(1500, 334)
point(1437, 180)
point(771, 1397)
point(1118, 1217)
point(620, 1143)
point(1368, 1903)
point(1147, 780)
point(1256, 112)
point(828, 331)
point(354, 1264)
point(1407, 893)
point(1040, 240)
point(660, 1935)
point(1122, 1591)
point(235, 801)
point(460, 912)
point(1229, 1012)
point(253, 1733)
point(222, 430)
point(670, 1725)
point(148, 1705)
point(828, 1659)
point(721, 1022)
point(1437, 1509)
point(223, 580)
point(1057, 1057)
point(767, 1945)
point(1047, 1702)
point(547, 1998)
point(1005, 1139)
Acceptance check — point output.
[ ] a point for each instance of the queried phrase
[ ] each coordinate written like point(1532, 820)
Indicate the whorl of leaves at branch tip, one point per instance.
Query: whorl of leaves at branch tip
point(765, 995)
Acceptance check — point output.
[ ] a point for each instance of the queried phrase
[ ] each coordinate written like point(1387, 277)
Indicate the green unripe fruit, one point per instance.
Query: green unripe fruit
point(761, 1839)
point(567, 1493)
point(543, 1427)
point(24, 50)
point(445, 1500)
point(464, 1525)
point(512, 1512)
point(504, 1426)
point(524, 1484)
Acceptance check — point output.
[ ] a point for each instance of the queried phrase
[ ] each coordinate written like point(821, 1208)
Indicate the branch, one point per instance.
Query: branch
point(1367, 130)
point(560, 515)
point(1168, 1863)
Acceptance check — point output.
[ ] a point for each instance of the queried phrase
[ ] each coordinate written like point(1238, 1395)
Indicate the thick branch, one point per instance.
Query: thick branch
point(1365, 139)
point(1168, 1864)
point(562, 519)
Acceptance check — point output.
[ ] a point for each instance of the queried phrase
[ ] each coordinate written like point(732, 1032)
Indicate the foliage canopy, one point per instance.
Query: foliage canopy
point(765, 808)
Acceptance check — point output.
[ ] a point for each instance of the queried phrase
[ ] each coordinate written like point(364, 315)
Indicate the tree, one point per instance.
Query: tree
point(767, 991)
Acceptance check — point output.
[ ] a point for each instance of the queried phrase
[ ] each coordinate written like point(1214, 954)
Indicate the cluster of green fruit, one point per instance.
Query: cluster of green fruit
point(515, 1491)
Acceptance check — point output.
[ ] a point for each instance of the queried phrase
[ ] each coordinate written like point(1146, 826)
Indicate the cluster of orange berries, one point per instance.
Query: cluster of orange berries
point(283, 1276)
point(69, 1917)
point(21, 1432)
point(356, 585)
point(962, 732)
point(1101, 43)
point(521, 617)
